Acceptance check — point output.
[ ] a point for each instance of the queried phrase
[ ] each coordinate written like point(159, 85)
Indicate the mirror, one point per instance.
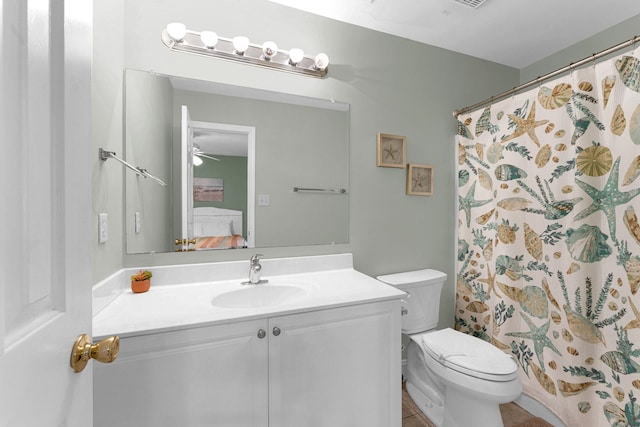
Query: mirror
point(264, 144)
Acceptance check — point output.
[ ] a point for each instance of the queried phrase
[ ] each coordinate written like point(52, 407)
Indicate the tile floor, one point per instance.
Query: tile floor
point(512, 415)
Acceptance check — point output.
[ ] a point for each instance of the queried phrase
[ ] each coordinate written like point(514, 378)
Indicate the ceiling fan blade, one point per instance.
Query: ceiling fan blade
point(207, 156)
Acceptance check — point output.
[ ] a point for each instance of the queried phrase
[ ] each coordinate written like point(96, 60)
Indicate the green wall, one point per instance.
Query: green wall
point(598, 43)
point(295, 146)
point(393, 86)
point(107, 128)
point(149, 134)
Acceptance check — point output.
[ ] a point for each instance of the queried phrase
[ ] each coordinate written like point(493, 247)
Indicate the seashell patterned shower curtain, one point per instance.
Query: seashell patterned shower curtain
point(548, 265)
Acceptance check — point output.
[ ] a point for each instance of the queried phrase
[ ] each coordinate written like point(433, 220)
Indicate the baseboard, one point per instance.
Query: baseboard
point(536, 408)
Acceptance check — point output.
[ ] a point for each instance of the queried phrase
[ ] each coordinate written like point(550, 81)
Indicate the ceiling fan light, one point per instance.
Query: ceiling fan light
point(197, 161)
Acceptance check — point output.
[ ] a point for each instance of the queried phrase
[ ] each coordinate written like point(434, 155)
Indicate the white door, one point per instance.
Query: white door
point(186, 150)
point(248, 136)
point(45, 248)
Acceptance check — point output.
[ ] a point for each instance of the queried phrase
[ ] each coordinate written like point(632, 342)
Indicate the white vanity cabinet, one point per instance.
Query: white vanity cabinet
point(208, 376)
point(323, 368)
point(336, 368)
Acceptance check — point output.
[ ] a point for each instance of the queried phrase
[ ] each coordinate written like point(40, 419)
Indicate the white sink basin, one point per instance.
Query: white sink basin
point(263, 295)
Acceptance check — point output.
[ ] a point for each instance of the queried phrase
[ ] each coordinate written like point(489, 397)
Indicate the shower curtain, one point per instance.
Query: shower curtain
point(548, 260)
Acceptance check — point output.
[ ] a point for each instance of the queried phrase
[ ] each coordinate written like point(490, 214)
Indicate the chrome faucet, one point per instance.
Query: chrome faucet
point(254, 271)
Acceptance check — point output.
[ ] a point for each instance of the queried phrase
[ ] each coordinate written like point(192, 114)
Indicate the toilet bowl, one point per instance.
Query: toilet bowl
point(457, 380)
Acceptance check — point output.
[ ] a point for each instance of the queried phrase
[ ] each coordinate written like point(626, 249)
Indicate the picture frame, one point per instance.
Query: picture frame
point(392, 151)
point(419, 180)
point(208, 189)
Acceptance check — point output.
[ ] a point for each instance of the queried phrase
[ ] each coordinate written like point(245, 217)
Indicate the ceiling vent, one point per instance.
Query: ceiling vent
point(472, 3)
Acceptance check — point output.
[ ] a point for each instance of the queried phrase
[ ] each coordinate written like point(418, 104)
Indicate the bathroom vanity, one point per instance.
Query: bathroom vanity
point(319, 345)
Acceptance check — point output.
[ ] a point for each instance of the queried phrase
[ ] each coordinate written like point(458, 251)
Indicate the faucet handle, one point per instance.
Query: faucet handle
point(255, 259)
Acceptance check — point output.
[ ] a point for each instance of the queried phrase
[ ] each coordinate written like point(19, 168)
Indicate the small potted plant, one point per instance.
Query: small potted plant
point(141, 281)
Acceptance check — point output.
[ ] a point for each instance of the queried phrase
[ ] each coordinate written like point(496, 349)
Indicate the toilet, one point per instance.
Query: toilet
point(456, 379)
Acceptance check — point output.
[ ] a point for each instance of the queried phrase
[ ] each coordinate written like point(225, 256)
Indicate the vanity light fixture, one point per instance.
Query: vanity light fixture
point(207, 43)
point(321, 61)
point(269, 50)
point(176, 31)
point(240, 44)
point(209, 39)
point(295, 56)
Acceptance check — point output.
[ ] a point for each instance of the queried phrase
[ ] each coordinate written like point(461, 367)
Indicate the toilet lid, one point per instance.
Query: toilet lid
point(469, 355)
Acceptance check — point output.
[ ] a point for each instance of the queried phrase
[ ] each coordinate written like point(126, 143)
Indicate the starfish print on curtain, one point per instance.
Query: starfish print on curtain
point(549, 239)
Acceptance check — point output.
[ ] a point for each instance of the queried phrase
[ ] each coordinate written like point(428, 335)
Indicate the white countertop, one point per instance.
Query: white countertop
point(179, 306)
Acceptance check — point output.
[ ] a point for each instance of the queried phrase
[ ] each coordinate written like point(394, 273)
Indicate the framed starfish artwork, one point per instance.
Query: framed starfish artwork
point(419, 180)
point(392, 151)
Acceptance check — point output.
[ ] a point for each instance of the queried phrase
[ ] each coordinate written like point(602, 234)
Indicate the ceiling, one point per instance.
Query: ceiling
point(221, 143)
point(516, 33)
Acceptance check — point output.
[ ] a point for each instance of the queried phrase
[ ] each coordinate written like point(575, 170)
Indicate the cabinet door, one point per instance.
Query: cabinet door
point(335, 368)
point(210, 376)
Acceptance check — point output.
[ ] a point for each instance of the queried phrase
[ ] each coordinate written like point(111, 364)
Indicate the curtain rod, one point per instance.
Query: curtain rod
point(548, 76)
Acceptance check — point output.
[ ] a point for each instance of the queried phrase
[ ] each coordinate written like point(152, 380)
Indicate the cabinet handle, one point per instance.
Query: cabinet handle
point(262, 333)
point(276, 331)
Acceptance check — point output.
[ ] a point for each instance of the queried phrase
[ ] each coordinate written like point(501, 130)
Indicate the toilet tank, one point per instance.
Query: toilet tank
point(421, 306)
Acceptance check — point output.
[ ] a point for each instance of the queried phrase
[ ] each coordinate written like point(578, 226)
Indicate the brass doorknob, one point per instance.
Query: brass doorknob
point(105, 351)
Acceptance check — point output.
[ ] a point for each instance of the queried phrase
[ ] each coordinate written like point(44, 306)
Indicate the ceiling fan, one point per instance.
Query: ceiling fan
point(197, 154)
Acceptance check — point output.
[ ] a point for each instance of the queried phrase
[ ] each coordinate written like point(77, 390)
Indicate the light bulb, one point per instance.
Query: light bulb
point(269, 50)
point(197, 161)
point(295, 56)
point(321, 61)
point(240, 44)
point(177, 31)
point(209, 39)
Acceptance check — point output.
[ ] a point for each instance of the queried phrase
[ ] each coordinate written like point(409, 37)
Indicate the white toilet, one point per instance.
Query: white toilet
point(456, 379)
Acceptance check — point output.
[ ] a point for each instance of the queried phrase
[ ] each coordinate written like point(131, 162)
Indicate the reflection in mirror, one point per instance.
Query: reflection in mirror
point(217, 160)
point(252, 146)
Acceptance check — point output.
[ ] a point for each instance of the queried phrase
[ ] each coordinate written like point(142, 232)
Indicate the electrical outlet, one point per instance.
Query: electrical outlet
point(103, 232)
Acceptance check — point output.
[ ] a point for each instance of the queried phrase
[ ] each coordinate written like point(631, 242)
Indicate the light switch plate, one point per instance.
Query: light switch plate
point(264, 200)
point(137, 222)
point(103, 232)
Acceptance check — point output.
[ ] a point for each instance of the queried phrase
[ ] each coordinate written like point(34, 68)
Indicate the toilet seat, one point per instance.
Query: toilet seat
point(467, 354)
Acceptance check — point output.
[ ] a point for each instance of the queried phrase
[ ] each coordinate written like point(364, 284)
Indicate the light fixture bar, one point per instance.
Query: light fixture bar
point(192, 42)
